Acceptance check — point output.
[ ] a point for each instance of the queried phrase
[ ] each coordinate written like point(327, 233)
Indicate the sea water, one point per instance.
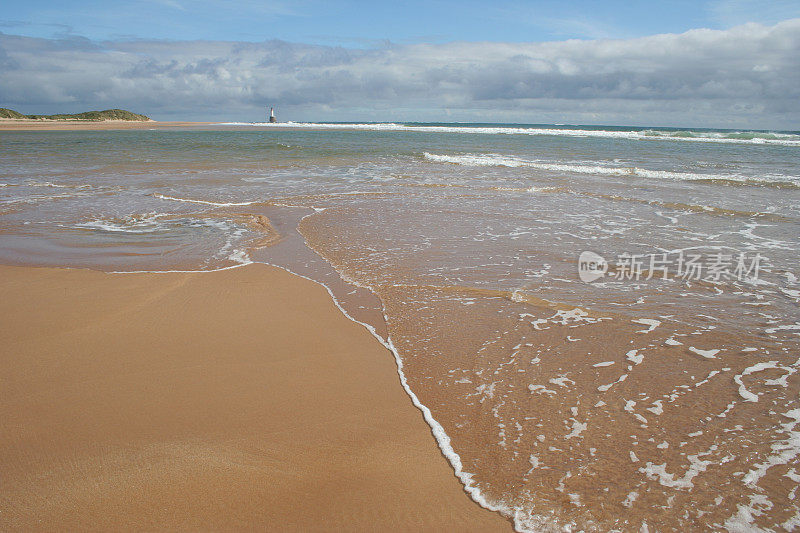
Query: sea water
point(600, 324)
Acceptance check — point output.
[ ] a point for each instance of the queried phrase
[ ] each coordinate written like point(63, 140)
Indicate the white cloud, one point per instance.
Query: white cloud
point(747, 76)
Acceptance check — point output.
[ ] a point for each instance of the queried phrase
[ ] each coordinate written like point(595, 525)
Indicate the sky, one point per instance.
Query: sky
point(713, 63)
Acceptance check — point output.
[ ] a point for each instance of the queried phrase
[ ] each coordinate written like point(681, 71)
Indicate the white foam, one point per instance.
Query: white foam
point(649, 322)
point(485, 390)
point(666, 479)
point(742, 521)
point(791, 292)
point(757, 138)
point(148, 224)
point(577, 429)
point(792, 474)
point(630, 498)
point(240, 256)
point(792, 523)
point(575, 499)
point(221, 269)
point(561, 381)
point(785, 327)
point(540, 389)
point(594, 167)
point(634, 357)
point(534, 461)
point(743, 392)
point(708, 354)
point(657, 408)
point(708, 377)
point(204, 202)
point(518, 296)
point(604, 388)
point(54, 185)
point(784, 451)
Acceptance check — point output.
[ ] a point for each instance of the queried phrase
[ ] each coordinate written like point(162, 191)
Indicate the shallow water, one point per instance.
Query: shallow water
point(665, 396)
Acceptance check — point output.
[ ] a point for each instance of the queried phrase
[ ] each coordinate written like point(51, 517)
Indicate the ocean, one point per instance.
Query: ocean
point(600, 324)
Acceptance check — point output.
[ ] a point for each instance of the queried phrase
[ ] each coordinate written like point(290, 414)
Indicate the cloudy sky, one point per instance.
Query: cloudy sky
point(720, 63)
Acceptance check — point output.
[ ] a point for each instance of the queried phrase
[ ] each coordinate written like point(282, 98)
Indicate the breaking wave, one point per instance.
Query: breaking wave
point(590, 167)
point(730, 137)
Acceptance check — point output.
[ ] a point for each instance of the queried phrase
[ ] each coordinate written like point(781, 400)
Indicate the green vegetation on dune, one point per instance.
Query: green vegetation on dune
point(10, 113)
point(96, 116)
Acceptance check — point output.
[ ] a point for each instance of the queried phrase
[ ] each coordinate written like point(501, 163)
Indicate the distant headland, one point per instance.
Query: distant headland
point(89, 116)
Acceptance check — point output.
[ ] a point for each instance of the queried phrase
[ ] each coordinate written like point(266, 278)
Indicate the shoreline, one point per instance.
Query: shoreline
point(17, 124)
point(186, 391)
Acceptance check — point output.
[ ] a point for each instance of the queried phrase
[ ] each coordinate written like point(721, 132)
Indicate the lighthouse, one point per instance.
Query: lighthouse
point(272, 114)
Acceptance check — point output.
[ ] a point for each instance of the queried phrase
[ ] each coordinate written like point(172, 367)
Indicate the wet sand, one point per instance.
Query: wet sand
point(239, 399)
point(13, 124)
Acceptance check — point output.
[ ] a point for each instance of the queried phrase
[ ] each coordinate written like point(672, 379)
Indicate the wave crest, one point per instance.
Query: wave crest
point(490, 160)
point(734, 137)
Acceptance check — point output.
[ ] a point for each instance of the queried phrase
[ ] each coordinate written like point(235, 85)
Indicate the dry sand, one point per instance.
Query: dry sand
point(231, 400)
point(14, 124)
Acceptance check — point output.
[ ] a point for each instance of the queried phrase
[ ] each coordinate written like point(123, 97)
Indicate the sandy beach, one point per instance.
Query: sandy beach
point(239, 399)
point(8, 124)
point(244, 399)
